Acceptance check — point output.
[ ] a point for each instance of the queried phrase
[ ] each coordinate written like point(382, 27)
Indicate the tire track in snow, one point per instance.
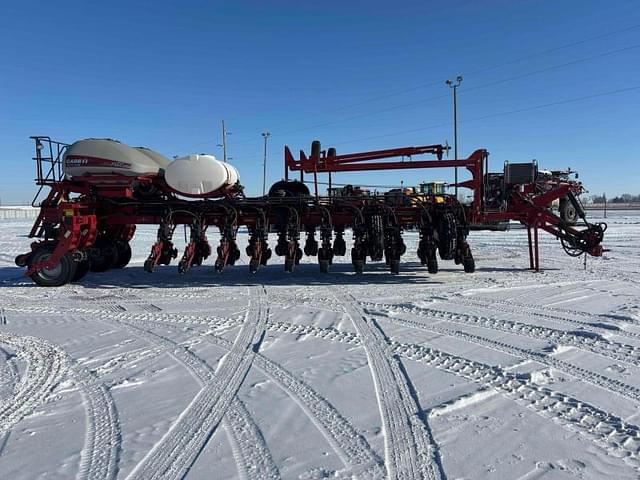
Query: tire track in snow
point(409, 449)
point(565, 311)
point(581, 339)
point(176, 452)
point(351, 446)
point(9, 375)
point(547, 313)
point(606, 430)
point(118, 312)
point(602, 381)
point(101, 452)
point(46, 366)
point(250, 449)
point(9, 378)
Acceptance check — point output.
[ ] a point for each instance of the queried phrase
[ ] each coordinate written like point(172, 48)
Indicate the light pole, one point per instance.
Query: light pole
point(455, 86)
point(264, 163)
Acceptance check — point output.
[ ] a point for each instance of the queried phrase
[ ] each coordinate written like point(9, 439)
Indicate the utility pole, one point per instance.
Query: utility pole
point(264, 163)
point(224, 142)
point(455, 86)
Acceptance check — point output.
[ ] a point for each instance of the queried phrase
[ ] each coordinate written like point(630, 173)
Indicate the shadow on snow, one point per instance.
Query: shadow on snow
point(135, 276)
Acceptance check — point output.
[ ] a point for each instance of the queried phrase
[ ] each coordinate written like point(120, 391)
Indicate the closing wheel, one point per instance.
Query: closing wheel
point(149, 266)
point(394, 266)
point(358, 266)
point(254, 265)
point(82, 268)
point(432, 265)
point(324, 265)
point(103, 255)
point(288, 264)
point(469, 264)
point(265, 256)
point(55, 276)
point(358, 259)
point(124, 254)
point(447, 236)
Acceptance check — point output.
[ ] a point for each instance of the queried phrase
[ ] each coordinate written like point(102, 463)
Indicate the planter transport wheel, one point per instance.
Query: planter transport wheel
point(55, 276)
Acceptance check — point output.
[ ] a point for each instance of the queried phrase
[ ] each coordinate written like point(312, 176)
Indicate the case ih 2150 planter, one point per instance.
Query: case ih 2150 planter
point(99, 190)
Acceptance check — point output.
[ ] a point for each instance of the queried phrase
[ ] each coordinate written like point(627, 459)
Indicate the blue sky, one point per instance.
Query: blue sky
point(356, 75)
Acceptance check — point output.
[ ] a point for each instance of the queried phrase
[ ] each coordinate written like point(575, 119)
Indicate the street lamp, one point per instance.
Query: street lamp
point(455, 86)
point(264, 163)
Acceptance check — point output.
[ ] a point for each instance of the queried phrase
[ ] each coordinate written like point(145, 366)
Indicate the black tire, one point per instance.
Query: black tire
point(568, 212)
point(324, 266)
point(289, 263)
point(23, 260)
point(358, 266)
point(447, 236)
point(358, 259)
point(254, 265)
point(82, 268)
point(103, 255)
point(469, 264)
point(124, 254)
point(266, 255)
point(168, 253)
point(311, 249)
point(432, 265)
point(394, 266)
point(57, 276)
point(149, 266)
point(289, 188)
point(234, 256)
point(182, 266)
point(331, 152)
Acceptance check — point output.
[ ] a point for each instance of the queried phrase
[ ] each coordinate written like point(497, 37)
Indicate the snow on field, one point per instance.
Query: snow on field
point(500, 374)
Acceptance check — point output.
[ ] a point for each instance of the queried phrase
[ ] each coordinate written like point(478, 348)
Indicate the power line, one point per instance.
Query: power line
point(560, 102)
point(384, 110)
point(553, 67)
point(493, 67)
point(477, 87)
point(485, 85)
point(492, 115)
point(498, 114)
point(481, 70)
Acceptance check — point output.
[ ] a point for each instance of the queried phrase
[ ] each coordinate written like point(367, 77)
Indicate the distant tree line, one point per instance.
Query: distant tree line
point(624, 198)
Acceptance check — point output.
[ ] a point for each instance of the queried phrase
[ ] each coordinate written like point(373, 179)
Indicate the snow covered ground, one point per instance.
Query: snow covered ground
point(500, 374)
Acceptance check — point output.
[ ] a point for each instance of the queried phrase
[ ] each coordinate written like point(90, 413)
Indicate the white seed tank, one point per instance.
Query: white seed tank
point(160, 159)
point(200, 175)
point(110, 157)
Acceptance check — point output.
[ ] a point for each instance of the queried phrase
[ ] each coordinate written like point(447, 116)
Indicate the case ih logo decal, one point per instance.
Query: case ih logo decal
point(82, 161)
